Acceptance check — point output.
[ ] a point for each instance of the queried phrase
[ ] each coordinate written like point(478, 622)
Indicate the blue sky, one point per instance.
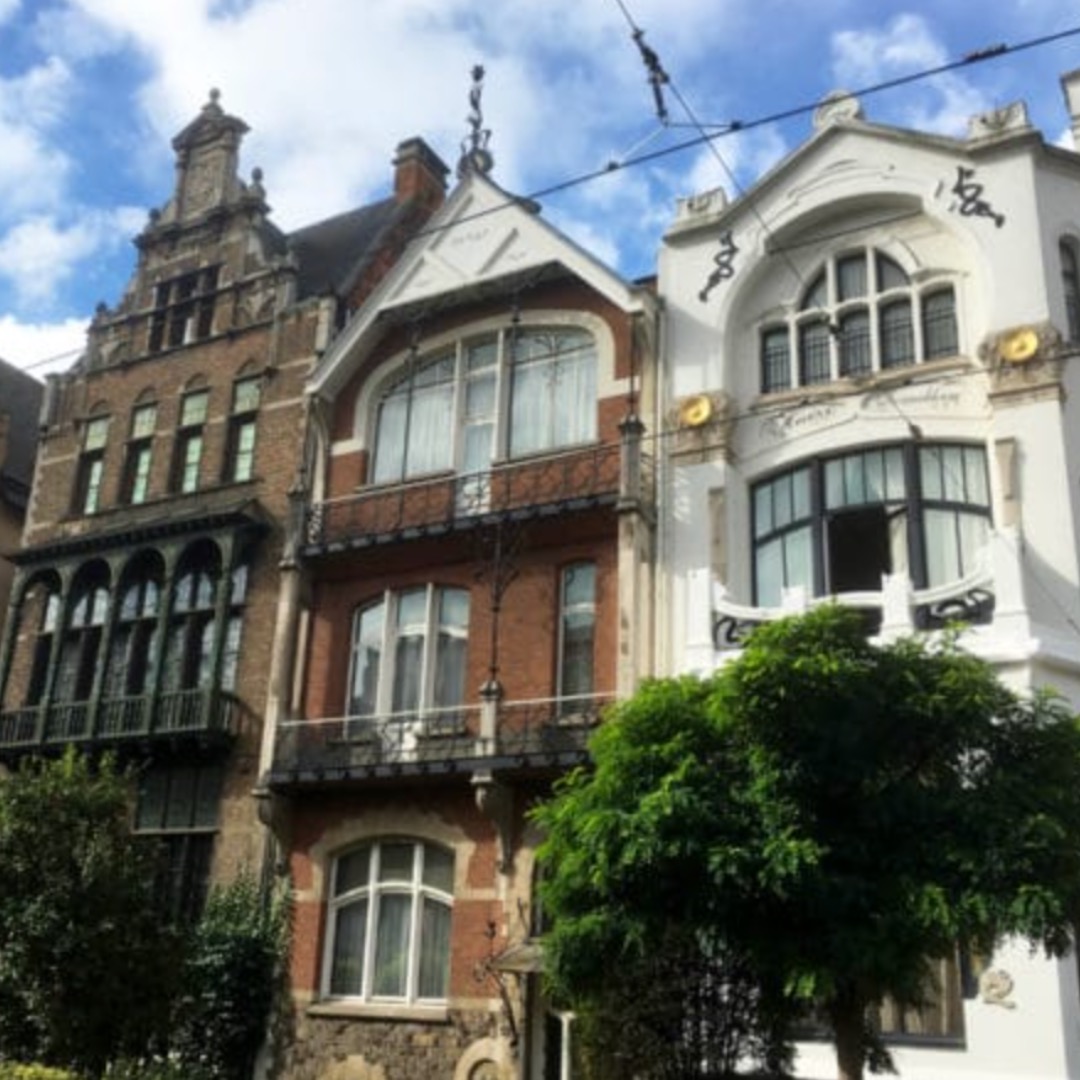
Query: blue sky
point(92, 91)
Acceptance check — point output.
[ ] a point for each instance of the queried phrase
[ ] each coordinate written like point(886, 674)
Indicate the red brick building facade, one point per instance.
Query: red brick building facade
point(471, 585)
point(144, 603)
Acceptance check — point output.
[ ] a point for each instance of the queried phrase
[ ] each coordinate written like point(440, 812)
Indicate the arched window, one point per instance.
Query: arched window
point(516, 392)
point(189, 639)
point(133, 647)
point(43, 600)
point(860, 313)
point(388, 936)
point(409, 652)
point(84, 624)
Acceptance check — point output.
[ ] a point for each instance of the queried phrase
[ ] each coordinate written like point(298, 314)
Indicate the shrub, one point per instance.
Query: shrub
point(229, 980)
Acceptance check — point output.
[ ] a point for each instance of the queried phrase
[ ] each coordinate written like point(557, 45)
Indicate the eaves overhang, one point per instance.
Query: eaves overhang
point(157, 523)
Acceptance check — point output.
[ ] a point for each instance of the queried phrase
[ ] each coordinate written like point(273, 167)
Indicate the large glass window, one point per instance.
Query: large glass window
point(135, 484)
point(577, 631)
point(91, 467)
point(517, 392)
point(189, 639)
point(79, 650)
point(133, 648)
point(860, 313)
point(188, 449)
point(409, 652)
point(389, 923)
point(240, 451)
point(836, 525)
point(183, 309)
point(178, 806)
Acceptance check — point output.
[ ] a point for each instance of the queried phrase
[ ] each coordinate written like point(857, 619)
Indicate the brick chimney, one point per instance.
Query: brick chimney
point(419, 174)
point(1070, 84)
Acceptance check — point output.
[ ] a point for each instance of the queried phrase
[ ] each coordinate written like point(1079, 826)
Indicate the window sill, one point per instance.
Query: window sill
point(375, 1010)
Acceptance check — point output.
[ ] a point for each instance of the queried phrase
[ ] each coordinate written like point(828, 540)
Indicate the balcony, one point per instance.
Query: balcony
point(199, 713)
point(517, 735)
point(552, 484)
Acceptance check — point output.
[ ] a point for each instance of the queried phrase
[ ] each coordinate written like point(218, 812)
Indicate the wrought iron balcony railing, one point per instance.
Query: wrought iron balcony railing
point(199, 712)
point(569, 480)
point(518, 734)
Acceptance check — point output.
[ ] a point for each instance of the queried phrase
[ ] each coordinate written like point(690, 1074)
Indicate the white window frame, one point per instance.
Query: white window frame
point(821, 304)
point(508, 342)
point(430, 628)
point(372, 891)
point(567, 611)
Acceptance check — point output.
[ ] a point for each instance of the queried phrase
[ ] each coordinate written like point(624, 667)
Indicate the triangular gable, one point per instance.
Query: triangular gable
point(480, 236)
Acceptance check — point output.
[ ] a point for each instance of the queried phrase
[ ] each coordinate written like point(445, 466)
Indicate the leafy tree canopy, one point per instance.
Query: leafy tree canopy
point(838, 812)
point(85, 965)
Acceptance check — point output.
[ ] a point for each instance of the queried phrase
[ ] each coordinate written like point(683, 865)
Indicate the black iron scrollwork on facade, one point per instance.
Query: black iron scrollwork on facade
point(723, 260)
point(975, 606)
point(475, 155)
point(969, 192)
point(729, 632)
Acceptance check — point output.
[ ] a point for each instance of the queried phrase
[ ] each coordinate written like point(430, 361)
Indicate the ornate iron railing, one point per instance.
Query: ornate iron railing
point(572, 479)
point(181, 712)
point(519, 733)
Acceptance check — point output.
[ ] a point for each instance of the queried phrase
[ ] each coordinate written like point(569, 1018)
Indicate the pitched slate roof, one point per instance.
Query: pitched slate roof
point(331, 254)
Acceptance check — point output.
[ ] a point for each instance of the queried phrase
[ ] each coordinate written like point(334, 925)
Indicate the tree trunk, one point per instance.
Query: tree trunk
point(847, 1013)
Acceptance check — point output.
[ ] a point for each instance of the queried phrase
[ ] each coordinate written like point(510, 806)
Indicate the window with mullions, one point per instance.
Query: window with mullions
point(183, 309)
point(187, 451)
point(577, 631)
point(513, 393)
point(389, 911)
point(409, 652)
point(240, 451)
point(87, 498)
point(836, 525)
point(178, 806)
point(46, 596)
point(81, 644)
point(133, 646)
point(135, 484)
point(860, 313)
point(189, 638)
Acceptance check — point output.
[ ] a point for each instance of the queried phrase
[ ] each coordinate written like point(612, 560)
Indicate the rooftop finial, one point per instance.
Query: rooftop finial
point(475, 156)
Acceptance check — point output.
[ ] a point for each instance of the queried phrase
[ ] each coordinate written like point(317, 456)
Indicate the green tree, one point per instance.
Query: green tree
point(85, 964)
point(234, 964)
point(837, 813)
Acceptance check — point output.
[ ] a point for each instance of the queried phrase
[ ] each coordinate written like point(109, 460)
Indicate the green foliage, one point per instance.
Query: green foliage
point(236, 956)
point(84, 962)
point(10, 1070)
point(834, 811)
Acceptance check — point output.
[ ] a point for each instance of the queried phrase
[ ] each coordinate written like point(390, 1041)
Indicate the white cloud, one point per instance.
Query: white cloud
point(7, 9)
point(32, 170)
point(906, 45)
point(40, 253)
point(41, 347)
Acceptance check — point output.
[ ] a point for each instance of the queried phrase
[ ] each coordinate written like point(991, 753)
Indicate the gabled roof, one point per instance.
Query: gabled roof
point(782, 182)
point(20, 401)
point(482, 240)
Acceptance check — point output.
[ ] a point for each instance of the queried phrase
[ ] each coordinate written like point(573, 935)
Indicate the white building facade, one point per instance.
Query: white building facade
point(873, 394)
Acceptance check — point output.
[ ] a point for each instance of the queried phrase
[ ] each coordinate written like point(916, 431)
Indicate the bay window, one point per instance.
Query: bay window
point(836, 525)
point(389, 919)
point(511, 393)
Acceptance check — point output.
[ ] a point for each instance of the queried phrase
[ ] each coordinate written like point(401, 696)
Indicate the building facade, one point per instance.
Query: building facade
point(20, 404)
point(471, 583)
point(872, 369)
point(145, 595)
